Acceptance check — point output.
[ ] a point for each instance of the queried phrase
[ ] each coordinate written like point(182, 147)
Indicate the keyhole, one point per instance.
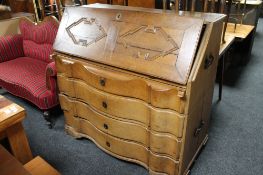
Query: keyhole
point(118, 16)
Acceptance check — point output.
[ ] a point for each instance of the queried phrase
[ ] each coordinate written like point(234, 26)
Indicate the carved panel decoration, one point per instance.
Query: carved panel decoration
point(86, 31)
point(135, 40)
point(148, 42)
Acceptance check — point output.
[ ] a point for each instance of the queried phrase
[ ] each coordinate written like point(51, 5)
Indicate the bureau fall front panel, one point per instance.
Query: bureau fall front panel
point(145, 40)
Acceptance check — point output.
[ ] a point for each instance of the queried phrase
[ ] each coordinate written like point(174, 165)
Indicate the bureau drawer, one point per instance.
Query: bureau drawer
point(157, 94)
point(129, 151)
point(159, 143)
point(163, 121)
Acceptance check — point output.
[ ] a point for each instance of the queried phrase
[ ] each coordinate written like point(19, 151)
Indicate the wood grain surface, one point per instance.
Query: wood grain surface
point(9, 165)
point(122, 89)
point(241, 31)
point(39, 166)
point(11, 117)
point(113, 35)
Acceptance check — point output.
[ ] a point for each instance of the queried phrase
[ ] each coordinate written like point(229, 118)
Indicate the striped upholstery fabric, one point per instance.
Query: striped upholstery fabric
point(11, 47)
point(51, 73)
point(37, 51)
point(26, 77)
point(38, 39)
point(25, 68)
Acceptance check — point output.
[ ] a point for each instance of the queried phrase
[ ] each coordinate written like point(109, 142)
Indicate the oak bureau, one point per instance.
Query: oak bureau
point(138, 82)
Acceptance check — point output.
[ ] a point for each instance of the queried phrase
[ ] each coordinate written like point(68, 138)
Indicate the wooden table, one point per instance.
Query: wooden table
point(39, 166)
point(234, 32)
point(229, 39)
point(11, 117)
point(224, 48)
point(241, 31)
point(10, 166)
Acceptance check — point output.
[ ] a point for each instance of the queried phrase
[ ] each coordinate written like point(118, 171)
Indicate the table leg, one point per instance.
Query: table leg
point(19, 143)
point(221, 76)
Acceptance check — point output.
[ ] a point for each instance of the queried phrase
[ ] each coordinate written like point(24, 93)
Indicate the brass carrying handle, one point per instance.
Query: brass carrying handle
point(199, 129)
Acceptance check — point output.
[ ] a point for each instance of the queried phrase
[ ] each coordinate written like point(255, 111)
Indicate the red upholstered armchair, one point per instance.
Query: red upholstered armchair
point(26, 69)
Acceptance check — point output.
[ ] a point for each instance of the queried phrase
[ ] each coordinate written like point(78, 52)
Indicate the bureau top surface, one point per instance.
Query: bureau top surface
point(161, 45)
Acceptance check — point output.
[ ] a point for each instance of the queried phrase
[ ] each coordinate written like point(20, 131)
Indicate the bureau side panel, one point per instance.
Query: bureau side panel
point(200, 92)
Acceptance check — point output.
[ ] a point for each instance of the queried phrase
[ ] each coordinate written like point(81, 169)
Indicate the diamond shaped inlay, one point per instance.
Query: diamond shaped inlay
point(148, 42)
point(86, 31)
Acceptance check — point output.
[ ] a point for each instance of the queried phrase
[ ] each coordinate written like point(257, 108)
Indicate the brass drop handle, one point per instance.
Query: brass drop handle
point(104, 104)
point(208, 61)
point(105, 126)
point(102, 81)
point(108, 144)
point(198, 130)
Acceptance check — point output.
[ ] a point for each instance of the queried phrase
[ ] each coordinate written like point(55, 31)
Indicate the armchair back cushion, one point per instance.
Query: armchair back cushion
point(38, 39)
point(11, 47)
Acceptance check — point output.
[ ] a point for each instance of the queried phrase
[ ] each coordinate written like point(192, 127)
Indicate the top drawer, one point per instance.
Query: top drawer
point(116, 82)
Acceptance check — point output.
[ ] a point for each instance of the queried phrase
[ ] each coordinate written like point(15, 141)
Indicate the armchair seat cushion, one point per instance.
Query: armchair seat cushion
point(26, 77)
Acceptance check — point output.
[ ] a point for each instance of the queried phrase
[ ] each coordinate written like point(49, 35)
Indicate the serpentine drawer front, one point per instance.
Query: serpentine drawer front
point(138, 87)
point(157, 94)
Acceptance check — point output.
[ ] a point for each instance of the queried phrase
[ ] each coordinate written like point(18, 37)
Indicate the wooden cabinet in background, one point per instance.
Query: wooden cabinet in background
point(113, 2)
point(139, 3)
point(97, 1)
point(134, 3)
point(21, 6)
point(138, 83)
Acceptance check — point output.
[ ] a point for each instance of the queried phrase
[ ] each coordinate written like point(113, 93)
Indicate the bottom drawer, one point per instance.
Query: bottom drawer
point(123, 149)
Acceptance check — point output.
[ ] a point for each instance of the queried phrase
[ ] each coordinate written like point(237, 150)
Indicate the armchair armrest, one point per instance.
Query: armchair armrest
point(11, 47)
point(51, 77)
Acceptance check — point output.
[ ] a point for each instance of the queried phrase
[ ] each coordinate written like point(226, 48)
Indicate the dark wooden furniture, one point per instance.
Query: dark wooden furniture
point(21, 6)
point(223, 53)
point(48, 8)
point(11, 117)
point(138, 87)
point(134, 3)
point(5, 12)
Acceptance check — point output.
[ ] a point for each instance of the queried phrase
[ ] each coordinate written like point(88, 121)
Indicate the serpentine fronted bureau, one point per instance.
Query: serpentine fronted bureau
point(138, 82)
